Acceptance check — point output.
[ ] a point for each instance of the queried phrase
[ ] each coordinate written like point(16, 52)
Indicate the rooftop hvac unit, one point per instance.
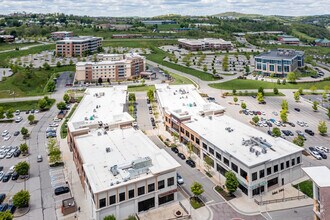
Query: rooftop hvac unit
point(99, 133)
point(264, 150)
point(108, 149)
point(252, 149)
point(210, 117)
point(114, 170)
point(257, 153)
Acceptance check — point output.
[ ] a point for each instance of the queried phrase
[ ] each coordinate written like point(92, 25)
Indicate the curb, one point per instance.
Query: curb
point(20, 215)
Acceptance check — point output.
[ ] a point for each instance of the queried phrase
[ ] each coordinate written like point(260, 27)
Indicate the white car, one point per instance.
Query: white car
point(315, 154)
point(321, 148)
point(1, 175)
point(6, 138)
point(4, 133)
point(56, 120)
point(3, 155)
point(18, 119)
point(179, 179)
point(9, 155)
point(53, 125)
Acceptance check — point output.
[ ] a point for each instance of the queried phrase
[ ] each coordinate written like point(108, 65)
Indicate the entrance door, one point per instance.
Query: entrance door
point(146, 204)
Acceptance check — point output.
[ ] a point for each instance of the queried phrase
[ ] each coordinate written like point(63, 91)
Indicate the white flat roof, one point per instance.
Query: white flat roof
point(101, 104)
point(213, 130)
point(320, 175)
point(124, 147)
point(127, 58)
point(203, 41)
point(79, 39)
point(183, 100)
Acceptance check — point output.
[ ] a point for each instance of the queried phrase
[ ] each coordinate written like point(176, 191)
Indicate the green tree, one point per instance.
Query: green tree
point(24, 132)
point(54, 151)
point(278, 81)
point(260, 97)
point(261, 90)
point(31, 119)
point(285, 105)
point(109, 217)
point(231, 182)
point(225, 63)
point(235, 99)
point(131, 97)
point(284, 115)
point(66, 97)
point(51, 86)
point(276, 132)
point(58, 64)
point(10, 113)
point(255, 119)
point(313, 89)
point(24, 148)
point(71, 63)
point(150, 95)
point(2, 113)
point(143, 82)
point(322, 127)
point(197, 189)
point(243, 105)
point(61, 106)
point(284, 82)
point(315, 103)
point(292, 77)
point(6, 215)
point(324, 97)
point(247, 69)
point(46, 66)
point(275, 90)
point(42, 104)
point(21, 199)
point(299, 141)
point(301, 91)
point(204, 68)
point(296, 96)
point(22, 168)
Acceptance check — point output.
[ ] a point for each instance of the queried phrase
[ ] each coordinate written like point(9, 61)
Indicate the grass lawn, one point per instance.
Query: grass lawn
point(254, 84)
point(25, 83)
point(253, 93)
point(24, 105)
point(140, 88)
point(196, 203)
point(179, 80)
point(6, 46)
point(306, 187)
point(64, 130)
point(137, 43)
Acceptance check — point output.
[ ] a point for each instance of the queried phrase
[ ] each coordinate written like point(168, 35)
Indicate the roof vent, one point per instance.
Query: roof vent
point(108, 149)
point(114, 170)
point(257, 153)
point(99, 133)
point(264, 150)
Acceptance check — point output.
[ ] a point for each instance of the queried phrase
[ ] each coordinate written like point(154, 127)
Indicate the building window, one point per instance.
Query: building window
point(282, 166)
point(122, 196)
point(204, 146)
point(261, 173)
point(293, 162)
point(182, 130)
point(211, 150)
point(161, 184)
point(102, 203)
point(170, 181)
point(112, 199)
point(218, 155)
point(243, 173)
point(226, 161)
point(254, 176)
point(288, 164)
point(187, 133)
point(151, 187)
point(197, 141)
point(234, 167)
point(131, 194)
point(269, 170)
point(192, 137)
point(298, 160)
point(140, 190)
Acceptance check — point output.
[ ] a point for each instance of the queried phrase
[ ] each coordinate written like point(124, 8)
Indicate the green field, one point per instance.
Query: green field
point(306, 187)
point(137, 43)
point(253, 84)
point(29, 83)
point(140, 88)
point(179, 80)
point(6, 46)
point(24, 105)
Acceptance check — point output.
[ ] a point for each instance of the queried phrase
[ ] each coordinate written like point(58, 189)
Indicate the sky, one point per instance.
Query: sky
point(149, 8)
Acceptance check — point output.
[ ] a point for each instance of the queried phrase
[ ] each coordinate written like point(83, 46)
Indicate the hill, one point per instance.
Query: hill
point(237, 14)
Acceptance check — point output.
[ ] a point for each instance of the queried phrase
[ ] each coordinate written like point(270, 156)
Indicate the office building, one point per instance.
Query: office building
point(7, 38)
point(260, 162)
point(322, 42)
point(113, 67)
point(78, 46)
point(205, 44)
point(320, 175)
point(121, 170)
point(279, 62)
point(60, 35)
point(288, 39)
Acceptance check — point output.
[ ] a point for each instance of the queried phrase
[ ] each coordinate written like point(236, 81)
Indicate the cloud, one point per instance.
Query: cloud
point(148, 8)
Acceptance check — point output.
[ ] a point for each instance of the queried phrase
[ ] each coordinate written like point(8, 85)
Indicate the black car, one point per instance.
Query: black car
point(312, 149)
point(262, 102)
point(254, 96)
point(286, 132)
point(27, 112)
point(61, 190)
point(32, 111)
point(17, 153)
point(310, 132)
point(1, 168)
point(148, 101)
point(6, 178)
point(2, 197)
point(297, 109)
point(269, 124)
point(3, 207)
point(14, 176)
point(175, 150)
point(11, 209)
point(322, 154)
point(16, 133)
point(270, 133)
point(191, 163)
point(182, 156)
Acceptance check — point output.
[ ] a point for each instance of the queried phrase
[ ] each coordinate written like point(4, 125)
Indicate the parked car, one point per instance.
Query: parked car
point(179, 179)
point(310, 132)
point(11, 209)
point(314, 153)
point(6, 138)
point(301, 134)
point(61, 190)
point(17, 112)
point(50, 135)
point(191, 163)
point(291, 124)
point(17, 153)
point(6, 177)
point(1, 175)
point(321, 148)
point(18, 119)
point(39, 158)
point(56, 120)
point(297, 109)
point(2, 197)
point(16, 133)
point(175, 150)
point(262, 102)
point(14, 176)
point(5, 133)
point(182, 156)
point(53, 124)
point(3, 207)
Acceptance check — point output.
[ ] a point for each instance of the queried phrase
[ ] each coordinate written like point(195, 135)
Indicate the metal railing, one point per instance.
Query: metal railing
point(279, 200)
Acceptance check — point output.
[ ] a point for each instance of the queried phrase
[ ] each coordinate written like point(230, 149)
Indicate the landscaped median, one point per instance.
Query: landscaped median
point(64, 126)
